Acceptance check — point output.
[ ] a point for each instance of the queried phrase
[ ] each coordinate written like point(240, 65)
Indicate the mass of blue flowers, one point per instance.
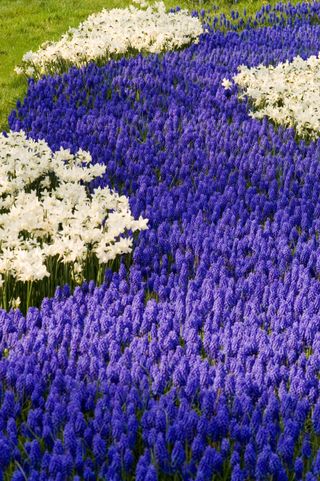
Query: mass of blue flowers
point(200, 358)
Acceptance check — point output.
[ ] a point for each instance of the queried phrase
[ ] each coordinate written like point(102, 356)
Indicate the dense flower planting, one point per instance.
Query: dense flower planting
point(112, 33)
point(201, 360)
point(288, 93)
point(53, 230)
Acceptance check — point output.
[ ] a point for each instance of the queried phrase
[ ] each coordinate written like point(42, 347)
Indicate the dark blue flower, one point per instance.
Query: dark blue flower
point(210, 463)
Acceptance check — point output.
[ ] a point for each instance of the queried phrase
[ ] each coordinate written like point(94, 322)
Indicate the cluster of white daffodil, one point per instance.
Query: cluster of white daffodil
point(48, 217)
point(113, 32)
point(288, 94)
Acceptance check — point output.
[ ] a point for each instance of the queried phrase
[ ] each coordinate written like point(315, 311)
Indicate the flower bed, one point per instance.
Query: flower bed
point(112, 33)
point(53, 231)
point(200, 361)
point(288, 93)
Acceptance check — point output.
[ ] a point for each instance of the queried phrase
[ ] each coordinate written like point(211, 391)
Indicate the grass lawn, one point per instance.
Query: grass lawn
point(25, 24)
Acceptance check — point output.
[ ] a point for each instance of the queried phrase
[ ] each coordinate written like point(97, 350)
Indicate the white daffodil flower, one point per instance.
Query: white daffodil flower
point(111, 32)
point(288, 94)
point(42, 219)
